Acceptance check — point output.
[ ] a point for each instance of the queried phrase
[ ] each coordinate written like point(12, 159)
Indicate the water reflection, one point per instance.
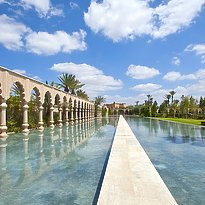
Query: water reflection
point(26, 158)
point(177, 152)
point(174, 132)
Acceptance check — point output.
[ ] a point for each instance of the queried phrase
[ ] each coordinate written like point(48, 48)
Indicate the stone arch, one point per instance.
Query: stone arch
point(18, 87)
point(48, 97)
point(37, 94)
point(75, 104)
point(15, 113)
point(1, 97)
point(70, 103)
point(64, 107)
point(79, 104)
point(57, 100)
point(47, 104)
point(65, 101)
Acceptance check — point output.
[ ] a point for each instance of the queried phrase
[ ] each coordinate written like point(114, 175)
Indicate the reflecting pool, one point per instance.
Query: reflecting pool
point(55, 167)
point(178, 153)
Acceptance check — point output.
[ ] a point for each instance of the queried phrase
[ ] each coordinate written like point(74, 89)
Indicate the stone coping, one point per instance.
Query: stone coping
point(130, 177)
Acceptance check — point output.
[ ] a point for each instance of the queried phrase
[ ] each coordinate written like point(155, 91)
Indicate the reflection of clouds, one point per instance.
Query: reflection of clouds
point(179, 148)
point(34, 165)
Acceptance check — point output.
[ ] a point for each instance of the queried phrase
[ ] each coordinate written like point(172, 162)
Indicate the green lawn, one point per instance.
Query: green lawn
point(182, 120)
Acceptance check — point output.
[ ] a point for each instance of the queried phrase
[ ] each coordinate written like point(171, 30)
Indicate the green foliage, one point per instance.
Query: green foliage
point(33, 114)
point(82, 94)
point(104, 111)
point(69, 83)
point(98, 101)
point(14, 114)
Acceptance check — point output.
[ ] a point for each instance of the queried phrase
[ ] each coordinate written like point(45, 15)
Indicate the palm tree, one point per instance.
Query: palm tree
point(82, 94)
point(172, 93)
point(167, 98)
point(98, 101)
point(174, 106)
point(149, 101)
point(69, 83)
point(15, 90)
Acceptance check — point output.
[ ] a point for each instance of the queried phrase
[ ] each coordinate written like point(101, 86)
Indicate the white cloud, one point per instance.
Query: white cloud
point(132, 18)
point(173, 75)
point(16, 36)
point(203, 59)
point(146, 87)
point(175, 15)
point(176, 61)
point(141, 72)
point(199, 49)
point(44, 8)
point(37, 78)
point(12, 33)
point(96, 82)
point(119, 19)
point(23, 72)
point(43, 43)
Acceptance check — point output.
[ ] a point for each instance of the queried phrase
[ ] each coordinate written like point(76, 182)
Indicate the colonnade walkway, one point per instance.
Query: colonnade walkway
point(130, 177)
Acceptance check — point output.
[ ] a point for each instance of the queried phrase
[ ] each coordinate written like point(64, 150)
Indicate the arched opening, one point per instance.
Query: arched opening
point(47, 105)
point(56, 106)
point(14, 103)
point(64, 106)
point(70, 108)
point(33, 109)
point(75, 110)
point(79, 110)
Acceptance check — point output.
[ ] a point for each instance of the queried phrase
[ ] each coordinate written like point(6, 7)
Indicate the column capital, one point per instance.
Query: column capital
point(41, 107)
point(3, 105)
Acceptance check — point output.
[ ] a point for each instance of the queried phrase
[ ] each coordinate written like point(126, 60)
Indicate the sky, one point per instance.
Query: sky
point(122, 50)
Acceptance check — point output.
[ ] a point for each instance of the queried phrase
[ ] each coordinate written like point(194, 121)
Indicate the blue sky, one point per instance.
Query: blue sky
point(122, 50)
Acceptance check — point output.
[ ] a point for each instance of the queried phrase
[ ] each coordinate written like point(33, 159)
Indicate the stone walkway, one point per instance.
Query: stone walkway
point(130, 176)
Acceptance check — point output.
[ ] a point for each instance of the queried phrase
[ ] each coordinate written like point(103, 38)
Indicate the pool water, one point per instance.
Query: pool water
point(55, 167)
point(178, 153)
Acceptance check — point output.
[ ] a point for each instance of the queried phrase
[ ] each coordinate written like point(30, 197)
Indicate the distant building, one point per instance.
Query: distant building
point(117, 108)
point(115, 105)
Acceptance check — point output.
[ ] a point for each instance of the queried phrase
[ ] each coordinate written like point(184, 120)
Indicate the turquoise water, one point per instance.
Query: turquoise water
point(178, 153)
point(55, 167)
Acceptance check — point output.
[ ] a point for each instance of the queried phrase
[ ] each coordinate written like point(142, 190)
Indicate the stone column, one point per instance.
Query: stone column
point(89, 115)
point(71, 115)
point(40, 121)
point(51, 136)
point(25, 144)
point(66, 116)
point(86, 113)
point(80, 117)
point(41, 141)
point(76, 114)
point(51, 117)
point(3, 126)
point(60, 116)
point(3, 146)
point(83, 114)
point(25, 117)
